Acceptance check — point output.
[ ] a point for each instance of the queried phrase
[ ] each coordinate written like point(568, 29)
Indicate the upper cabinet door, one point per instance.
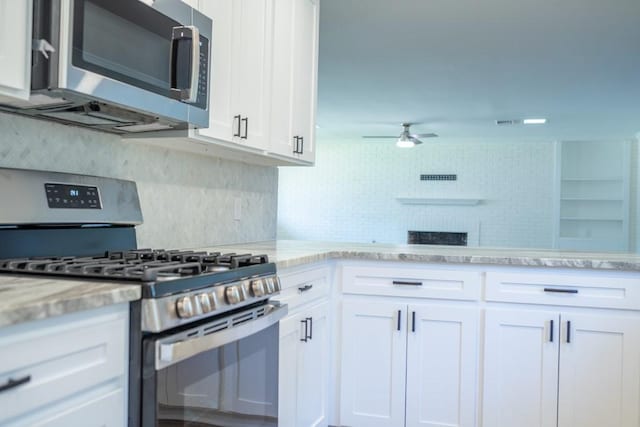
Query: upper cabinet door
point(521, 368)
point(305, 76)
point(252, 72)
point(599, 371)
point(224, 14)
point(15, 49)
point(282, 66)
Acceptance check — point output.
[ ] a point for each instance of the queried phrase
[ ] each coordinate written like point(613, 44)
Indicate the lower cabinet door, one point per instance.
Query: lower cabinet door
point(313, 369)
point(599, 371)
point(441, 366)
point(521, 369)
point(290, 336)
point(373, 364)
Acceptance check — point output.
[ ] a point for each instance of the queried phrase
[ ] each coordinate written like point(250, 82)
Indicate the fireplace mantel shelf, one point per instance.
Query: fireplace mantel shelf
point(457, 201)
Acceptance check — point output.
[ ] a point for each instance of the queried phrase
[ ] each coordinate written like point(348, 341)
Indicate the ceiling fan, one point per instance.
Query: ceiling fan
point(406, 139)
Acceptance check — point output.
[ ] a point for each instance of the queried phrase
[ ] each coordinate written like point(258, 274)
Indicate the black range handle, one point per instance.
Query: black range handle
point(305, 288)
point(11, 383)
point(405, 283)
point(239, 119)
point(399, 319)
point(246, 128)
point(306, 330)
point(310, 336)
point(561, 291)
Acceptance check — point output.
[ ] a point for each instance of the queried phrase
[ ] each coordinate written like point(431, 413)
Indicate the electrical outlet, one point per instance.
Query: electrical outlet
point(237, 208)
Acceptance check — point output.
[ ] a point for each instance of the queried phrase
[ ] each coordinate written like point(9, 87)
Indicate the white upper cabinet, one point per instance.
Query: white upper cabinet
point(294, 83)
point(15, 49)
point(238, 97)
point(264, 60)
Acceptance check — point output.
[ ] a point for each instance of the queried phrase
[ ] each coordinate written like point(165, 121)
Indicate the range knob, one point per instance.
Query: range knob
point(234, 294)
point(257, 287)
point(185, 307)
point(270, 286)
point(206, 303)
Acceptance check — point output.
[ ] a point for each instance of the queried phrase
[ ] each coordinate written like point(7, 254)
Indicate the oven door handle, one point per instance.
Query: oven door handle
point(171, 353)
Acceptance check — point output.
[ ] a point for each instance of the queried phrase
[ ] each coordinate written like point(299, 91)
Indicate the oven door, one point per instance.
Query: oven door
point(222, 373)
point(152, 58)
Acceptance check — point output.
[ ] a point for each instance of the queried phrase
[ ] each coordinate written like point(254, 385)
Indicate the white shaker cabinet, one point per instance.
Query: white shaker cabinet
point(66, 371)
point(304, 349)
point(294, 78)
point(521, 368)
point(240, 72)
point(565, 352)
point(408, 365)
point(15, 49)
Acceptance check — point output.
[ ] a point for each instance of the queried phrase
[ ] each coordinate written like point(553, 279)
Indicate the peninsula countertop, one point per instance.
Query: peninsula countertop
point(24, 298)
point(290, 253)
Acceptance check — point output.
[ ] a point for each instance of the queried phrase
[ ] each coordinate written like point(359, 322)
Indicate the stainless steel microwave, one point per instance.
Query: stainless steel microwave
point(121, 66)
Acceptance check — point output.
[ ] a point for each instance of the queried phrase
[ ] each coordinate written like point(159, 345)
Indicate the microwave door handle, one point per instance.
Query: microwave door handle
point(178, 36)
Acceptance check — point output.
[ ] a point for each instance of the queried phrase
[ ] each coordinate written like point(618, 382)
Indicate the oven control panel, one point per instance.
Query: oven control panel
point(69, 196)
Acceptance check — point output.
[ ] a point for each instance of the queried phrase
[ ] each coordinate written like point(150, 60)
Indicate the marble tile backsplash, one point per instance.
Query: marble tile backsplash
point(187, 200)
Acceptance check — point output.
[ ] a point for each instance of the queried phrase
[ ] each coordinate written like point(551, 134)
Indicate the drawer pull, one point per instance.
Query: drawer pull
point(305, 288)
point(561, 291)
point(403, 283)
point(551, 332)
point(14, 383)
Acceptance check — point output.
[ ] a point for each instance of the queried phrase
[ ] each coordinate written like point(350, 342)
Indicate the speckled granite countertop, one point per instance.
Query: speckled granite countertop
point(290, 253)
point(25, 298)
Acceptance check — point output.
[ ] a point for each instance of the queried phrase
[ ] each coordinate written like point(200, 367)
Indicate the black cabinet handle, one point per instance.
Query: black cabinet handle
point(551, 331)
point(11, 383)
point(239, 119)
point(399, 315)
point(301, 145)
point(310, 319)
point(568, 331)
point(246, 128)
point(306, 330)
point(305, 288)
point(413, 321)
point(561, 291)
point(403, 283)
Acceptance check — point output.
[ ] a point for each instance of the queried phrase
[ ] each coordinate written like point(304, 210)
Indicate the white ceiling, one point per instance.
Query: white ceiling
point(459, 65)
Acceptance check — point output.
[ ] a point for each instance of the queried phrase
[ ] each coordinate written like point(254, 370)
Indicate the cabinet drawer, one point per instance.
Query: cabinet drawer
point(303, 287)
point(594, 290)
point(412, 282)
point(60, 359)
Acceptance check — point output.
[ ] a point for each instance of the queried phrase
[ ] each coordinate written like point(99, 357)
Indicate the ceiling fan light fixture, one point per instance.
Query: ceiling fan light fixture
point(405, 142)
point(540, 121)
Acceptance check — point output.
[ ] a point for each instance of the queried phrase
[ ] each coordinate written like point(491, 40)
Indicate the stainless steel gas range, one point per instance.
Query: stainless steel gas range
point(204, 337)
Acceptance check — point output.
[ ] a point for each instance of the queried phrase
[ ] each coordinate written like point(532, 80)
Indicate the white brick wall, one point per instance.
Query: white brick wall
point(351, 193)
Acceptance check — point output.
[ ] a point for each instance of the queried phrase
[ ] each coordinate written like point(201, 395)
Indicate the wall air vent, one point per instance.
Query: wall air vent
point(508, 122)
point(438, 177)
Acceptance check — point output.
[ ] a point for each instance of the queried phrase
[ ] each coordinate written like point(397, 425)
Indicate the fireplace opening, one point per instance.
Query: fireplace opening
point(437, 238)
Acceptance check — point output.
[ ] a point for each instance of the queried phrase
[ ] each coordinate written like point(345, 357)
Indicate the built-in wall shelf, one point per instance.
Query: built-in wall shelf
point(592, 188)
point(454, 201)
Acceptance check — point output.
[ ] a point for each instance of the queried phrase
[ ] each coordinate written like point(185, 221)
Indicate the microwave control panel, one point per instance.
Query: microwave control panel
point(69, 196)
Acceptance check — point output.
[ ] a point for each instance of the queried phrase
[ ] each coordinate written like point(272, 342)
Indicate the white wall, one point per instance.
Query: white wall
point(187, 200)
point(351, 193)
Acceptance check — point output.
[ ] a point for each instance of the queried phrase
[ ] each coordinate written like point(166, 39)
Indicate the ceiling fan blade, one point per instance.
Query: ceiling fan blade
point(425, 135)
point(379, 136)
point(415, 140)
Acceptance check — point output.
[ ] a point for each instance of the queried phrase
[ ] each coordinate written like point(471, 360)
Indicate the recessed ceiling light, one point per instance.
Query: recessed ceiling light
point(534, 121)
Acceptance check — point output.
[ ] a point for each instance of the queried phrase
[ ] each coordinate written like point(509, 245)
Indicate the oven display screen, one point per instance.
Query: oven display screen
point(68, 196)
